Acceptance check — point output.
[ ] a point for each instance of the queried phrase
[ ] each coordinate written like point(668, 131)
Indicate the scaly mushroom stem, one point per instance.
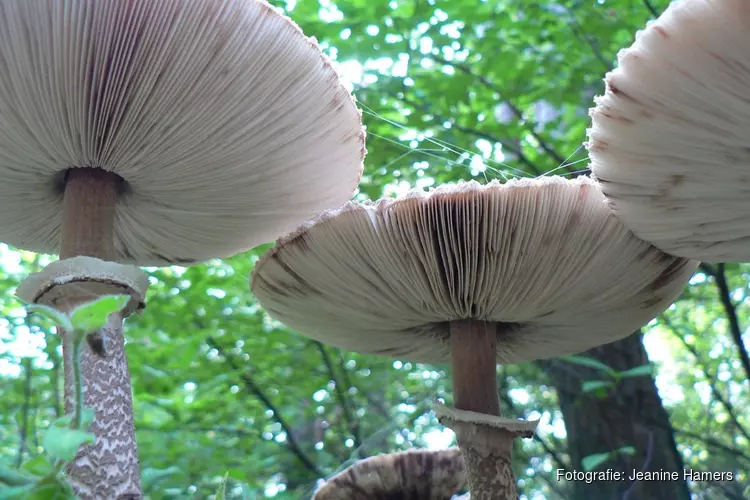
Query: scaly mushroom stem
point(109, 467)
point(487, 450)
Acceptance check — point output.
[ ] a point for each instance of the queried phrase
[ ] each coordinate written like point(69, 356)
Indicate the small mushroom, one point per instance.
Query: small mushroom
point(668, 141)
point(473, 274)
point(157, 132)
point(406, 475)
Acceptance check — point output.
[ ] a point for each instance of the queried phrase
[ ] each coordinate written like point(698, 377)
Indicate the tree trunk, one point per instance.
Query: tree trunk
point(632, 415)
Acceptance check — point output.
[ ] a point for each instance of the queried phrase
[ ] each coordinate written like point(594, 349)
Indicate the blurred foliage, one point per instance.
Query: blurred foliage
point(451, 90)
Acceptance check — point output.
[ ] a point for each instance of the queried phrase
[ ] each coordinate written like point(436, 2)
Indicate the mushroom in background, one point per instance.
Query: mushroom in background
point(473, 274)
point(406, 475)
point(153, 133)
point(669, 138)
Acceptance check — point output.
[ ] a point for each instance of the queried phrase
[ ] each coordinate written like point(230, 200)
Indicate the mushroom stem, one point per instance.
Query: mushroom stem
point(474, 355)
point(109, 467)
point(487, 450)
point(88, 213)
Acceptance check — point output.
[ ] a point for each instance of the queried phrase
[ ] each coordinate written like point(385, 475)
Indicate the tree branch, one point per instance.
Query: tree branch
point(728, 406)
point(651, 8)
point(549, 450)
point(530, 125)
point(476, 133)
point(583, 37)
point(713, 443)
point(351, 423)
point(23, 427)
point(731, 312)
point(33, 431)
point(708, 269)
point(381, 409)
point(56, 399)
point(708, 441)
point(253, 388)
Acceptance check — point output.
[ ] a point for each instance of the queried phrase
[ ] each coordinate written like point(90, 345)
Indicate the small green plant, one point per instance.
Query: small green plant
point(601, 388)
point(222, 491)
point(43, 477)
point(593, 462)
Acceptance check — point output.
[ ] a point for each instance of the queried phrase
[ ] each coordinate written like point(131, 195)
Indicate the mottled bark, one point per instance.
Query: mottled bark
point(631, 416)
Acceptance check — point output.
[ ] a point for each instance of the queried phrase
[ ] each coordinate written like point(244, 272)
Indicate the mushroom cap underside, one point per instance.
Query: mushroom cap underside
point(545, 257)
point(407, 475)
point(228, 126)
point(668, 142)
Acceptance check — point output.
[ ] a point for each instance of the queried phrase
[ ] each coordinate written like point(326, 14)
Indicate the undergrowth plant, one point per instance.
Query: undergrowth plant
point(42, 477)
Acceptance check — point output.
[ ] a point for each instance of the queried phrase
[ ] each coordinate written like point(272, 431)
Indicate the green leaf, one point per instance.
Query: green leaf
point(63, 442)
point(637, 371)
point(60, 319)
point(589, 362)
point(591, 462)
point(87, 417)
point(154, 372)
point(63, 421)
point(92, 316)
point(51, 488)
point(14, 478)
point(222, 492)
point(38, 466)
point(595, 385)
point(150, 476)
point(16, 492)
point(626, 450)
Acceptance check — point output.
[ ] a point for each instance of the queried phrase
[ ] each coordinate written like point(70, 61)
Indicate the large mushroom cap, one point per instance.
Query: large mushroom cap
point(228, 125)
point(546, 257)
point(669, 141)
point(407, 475)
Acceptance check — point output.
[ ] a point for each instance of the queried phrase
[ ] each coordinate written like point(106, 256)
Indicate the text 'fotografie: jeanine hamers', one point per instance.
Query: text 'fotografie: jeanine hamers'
point(636, 475)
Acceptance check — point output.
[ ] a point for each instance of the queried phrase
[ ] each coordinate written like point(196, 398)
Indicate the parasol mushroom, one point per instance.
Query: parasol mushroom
point(406, 475)
point(153, 133)
point(668, 141)
point(475, 274)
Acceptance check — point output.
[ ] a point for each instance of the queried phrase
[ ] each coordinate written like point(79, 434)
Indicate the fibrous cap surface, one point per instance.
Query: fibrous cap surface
point(669, 138)
point(407, 475)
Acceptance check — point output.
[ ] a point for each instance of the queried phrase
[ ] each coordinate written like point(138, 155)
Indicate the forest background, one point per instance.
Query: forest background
point(450, 90)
